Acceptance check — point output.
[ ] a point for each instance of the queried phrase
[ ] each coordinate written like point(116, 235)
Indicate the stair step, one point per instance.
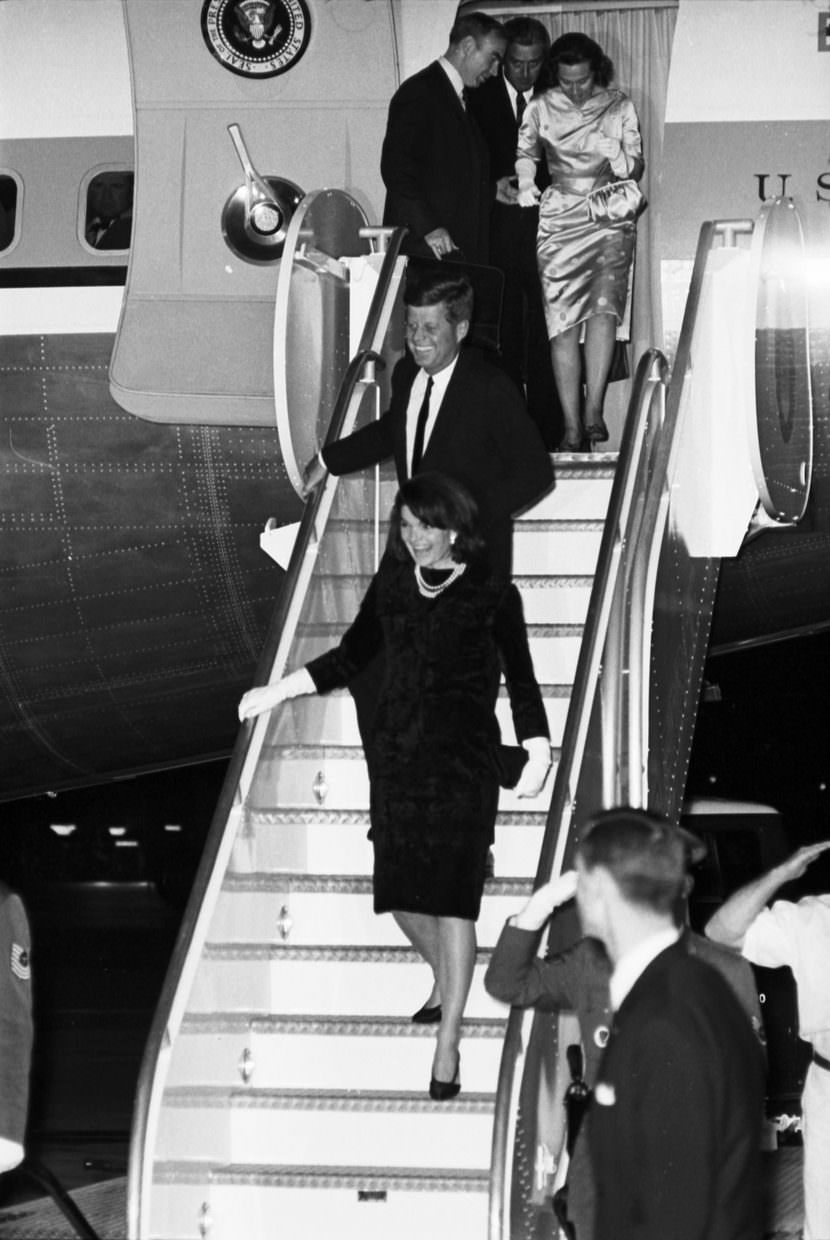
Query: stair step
point(571, 499)
point(332, 719)
point(327, 1052)
point(313, 1128)
point(330, 981)
point(555, 600)
point(333, 842)
point(299, 775)
point(325, 911)
point(553, 648)
point(557, 547)
point(352, 1203)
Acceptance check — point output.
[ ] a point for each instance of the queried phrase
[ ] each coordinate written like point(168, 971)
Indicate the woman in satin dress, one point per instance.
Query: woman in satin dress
point(590, 136)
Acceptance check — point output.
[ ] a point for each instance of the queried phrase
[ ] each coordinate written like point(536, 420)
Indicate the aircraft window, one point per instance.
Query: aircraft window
point(8, 210)
point(109, 210)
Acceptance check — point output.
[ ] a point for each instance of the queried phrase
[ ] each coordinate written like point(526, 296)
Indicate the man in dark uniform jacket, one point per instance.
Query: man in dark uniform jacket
point(577, 979)
point(476, 427)
point(674, 1126)
point(434, 160)
point(15, 1026)
point(498, 106)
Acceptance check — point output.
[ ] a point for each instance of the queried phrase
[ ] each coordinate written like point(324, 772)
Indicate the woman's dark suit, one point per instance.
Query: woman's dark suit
point(434, 165)
point(434, 789)
point(483, 438)
point(675, 1123)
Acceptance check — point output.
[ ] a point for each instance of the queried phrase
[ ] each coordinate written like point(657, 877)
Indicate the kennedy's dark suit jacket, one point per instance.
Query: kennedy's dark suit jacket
point(675, 1123)
point(483, 437)
point(435, 166)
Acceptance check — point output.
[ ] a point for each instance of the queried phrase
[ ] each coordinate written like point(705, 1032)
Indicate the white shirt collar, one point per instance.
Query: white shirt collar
point(456, 81)
point(636, 961)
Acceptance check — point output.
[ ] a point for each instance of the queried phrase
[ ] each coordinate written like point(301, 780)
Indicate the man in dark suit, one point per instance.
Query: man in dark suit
point(434, 160)
point(498, 106)
point(577, 979)
point(475, 425)
point(675, 1122)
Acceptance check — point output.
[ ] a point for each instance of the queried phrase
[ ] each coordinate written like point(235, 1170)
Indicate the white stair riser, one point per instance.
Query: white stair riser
point(549, 552)
point(324, 1061)
point(332, 720)
point(571, 500)
point(555, 601)
point(295, 1213)
point(273, 1135)
point(333, 919)
point(554, 661)
point(538, 548)
point(324, 987)
point(176, 1210)
point(291, 782)
point(342, 848)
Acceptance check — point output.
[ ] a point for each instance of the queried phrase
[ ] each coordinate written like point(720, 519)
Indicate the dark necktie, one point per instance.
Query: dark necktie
point(420, 429)
point(521, 103)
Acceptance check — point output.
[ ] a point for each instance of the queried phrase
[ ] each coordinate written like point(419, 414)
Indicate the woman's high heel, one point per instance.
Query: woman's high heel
point(427, 1015)
point(442, 1091)
point(596, 432)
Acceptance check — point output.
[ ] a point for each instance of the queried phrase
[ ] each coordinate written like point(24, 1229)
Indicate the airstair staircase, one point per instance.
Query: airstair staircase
point(284, 1089)
point(295, 1103)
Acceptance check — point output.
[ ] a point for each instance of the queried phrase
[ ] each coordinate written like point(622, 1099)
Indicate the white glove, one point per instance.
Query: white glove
point(612, 149)
point(529, 193)
point(536, 768)
point(266, 697)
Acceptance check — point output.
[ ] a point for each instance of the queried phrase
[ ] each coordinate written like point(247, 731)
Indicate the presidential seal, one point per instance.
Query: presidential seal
point(256, 38)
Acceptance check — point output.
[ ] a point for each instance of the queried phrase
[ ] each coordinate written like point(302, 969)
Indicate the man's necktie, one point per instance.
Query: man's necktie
point(521, 104)
point(420, 429)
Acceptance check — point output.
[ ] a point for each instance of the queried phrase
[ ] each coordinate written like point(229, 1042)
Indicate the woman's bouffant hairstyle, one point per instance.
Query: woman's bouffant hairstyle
point(574, 48)
point(444, 504)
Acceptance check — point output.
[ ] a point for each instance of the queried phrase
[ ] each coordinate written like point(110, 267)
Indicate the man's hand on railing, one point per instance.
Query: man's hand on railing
point(266, 697)
point(313, 474)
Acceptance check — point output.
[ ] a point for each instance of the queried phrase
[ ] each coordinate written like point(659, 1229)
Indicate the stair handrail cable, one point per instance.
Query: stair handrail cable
point(220, 837)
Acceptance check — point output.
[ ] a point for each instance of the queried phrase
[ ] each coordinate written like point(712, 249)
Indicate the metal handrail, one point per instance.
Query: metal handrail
point(220, 838)
point(641, 440)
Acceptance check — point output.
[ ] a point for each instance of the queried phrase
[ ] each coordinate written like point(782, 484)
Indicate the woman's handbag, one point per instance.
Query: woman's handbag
point(509, 761)
point(616, 202)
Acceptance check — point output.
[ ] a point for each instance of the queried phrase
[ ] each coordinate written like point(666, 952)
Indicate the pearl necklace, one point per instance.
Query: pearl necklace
point(428, 591)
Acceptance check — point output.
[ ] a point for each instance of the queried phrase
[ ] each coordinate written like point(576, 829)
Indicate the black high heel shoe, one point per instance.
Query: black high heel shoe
point(427, 1015)
point(596, 432)
point(442, 1091)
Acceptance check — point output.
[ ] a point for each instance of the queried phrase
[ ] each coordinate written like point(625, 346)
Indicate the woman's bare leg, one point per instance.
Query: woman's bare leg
point(566, 360)
point(600, 337)
point(422, 932)
point(456, 961)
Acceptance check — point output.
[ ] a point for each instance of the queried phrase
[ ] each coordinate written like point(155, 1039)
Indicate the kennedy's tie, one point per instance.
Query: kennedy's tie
point(521, 103)
point(420, 428)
